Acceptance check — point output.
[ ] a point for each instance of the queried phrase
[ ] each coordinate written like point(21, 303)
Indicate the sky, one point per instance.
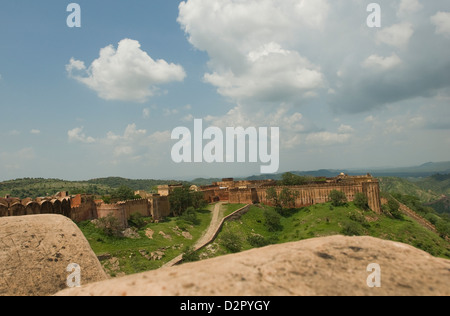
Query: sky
point(103, 99)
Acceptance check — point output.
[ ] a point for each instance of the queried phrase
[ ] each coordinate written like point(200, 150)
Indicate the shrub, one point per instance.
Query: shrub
point(361, 201)
point(393, 205)
point(190, 216)
point(394, 209)
point(257, 241)
point(109, 225)
point(352, 229)
point(231, 241)
point(190, 255)
point(273, 221)
point(137, 220)
point(359, 218)
point(338, 198)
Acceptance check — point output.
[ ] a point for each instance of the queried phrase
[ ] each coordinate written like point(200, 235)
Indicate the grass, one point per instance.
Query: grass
point(251, 231)
point(325, 220)
point(231, 208)
point(127, 251)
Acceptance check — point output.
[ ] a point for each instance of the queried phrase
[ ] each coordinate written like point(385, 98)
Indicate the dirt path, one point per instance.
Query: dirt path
point(217, 217)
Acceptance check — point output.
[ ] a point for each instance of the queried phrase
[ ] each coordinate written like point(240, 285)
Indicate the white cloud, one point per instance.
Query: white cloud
point(135, 143)
point(345, 129)
point(249, 45)
point(272, 73)
point(188, 118)
point(169, 112)
point(35, 132)
point(393, 126)
point(146, 113)
point(77, 135)
point(442, 22)
point(409, 6)
point(327, 138)
point(384, 63)
point(397, 35)
point(126, 73)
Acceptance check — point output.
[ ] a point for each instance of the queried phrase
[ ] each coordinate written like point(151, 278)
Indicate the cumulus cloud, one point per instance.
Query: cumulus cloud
point(272, 74)
point(126, 73)
point(297, 64)
point(442, 22)
point(397, 35)
point(384, 63)
point(248, 43)
point(409, 6)
point(135, 144)
point(77, 135)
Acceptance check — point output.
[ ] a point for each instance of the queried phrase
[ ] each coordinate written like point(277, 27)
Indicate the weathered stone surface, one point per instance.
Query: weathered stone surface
point(324, 266)
point(35, 252)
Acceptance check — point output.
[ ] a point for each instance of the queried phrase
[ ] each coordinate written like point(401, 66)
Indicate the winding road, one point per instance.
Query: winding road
point(213, 226)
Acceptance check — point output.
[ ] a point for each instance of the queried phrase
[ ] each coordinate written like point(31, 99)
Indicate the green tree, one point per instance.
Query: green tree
point(338, 198)
point(231, 241)
point(109, 225)
point(190, 216)
point(284, 199)
point(123, 193)
point(394, 209)
point(287, 198)
point(180, 199)
point(198, 200)
point(272, 221)
point(361, 201)
point(137, 220)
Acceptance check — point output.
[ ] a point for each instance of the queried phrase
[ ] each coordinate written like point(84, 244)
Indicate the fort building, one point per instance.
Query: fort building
point(83, 207)
point(254, 192)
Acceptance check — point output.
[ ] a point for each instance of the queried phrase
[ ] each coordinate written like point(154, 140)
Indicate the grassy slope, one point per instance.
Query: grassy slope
point(403, 186)
point(438, 184)
point(127, 250)
point(322, 220)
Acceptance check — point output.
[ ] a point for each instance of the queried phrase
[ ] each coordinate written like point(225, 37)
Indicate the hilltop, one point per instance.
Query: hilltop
point(35, 187)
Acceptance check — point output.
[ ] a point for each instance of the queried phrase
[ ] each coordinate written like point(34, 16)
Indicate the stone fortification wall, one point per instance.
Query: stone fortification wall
point(251, 192)
point(16, 207)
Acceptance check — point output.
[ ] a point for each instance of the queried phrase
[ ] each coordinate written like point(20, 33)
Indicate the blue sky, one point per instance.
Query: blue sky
point(344, 95)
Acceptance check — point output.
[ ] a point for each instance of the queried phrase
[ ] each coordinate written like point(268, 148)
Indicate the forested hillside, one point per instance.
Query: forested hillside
point(28, 187)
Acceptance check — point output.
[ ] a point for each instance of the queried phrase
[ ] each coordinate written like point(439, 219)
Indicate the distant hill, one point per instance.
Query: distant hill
point(442, 206)
point(438, 183)
point(422, 171)
point(406, 187)
point(31, 187)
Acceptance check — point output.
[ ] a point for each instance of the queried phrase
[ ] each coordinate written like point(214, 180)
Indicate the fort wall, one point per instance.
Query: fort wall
point(116, 210)
point(252, 192)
